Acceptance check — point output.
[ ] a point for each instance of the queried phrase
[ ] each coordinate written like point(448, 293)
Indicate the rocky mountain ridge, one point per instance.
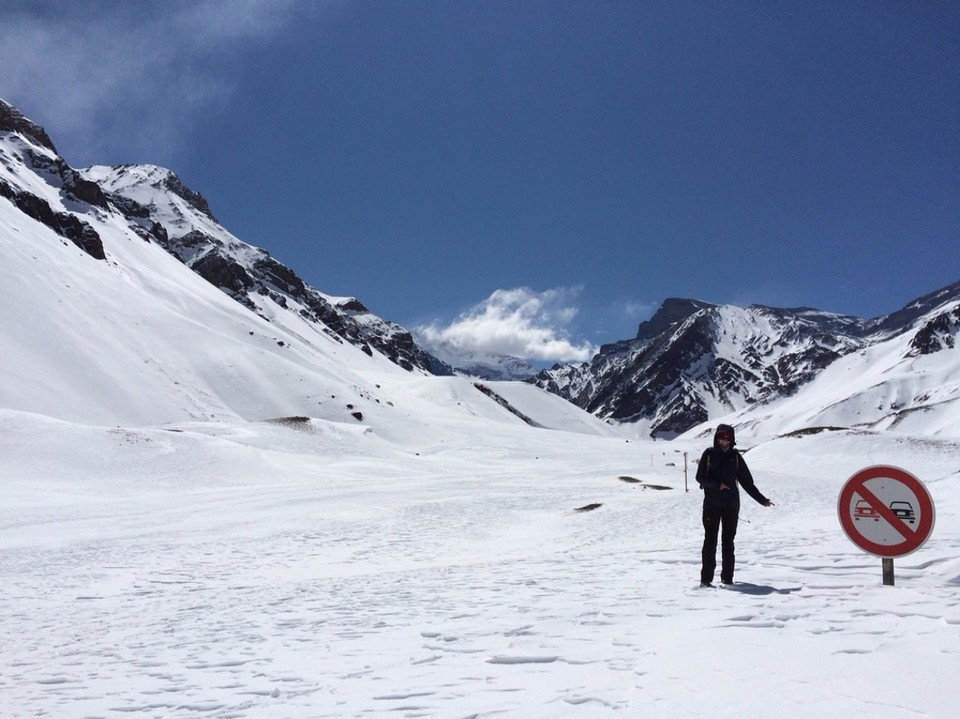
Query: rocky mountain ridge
point(693, 361)
point(183, 223)
point(155, 204)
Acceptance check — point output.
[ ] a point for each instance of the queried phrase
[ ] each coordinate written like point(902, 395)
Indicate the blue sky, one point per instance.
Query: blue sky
point(533, 177)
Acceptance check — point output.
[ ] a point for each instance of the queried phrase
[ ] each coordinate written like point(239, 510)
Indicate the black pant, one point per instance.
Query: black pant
point(713, 517)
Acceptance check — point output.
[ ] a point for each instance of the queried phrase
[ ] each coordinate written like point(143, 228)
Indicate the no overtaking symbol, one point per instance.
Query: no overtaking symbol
point(886, 511)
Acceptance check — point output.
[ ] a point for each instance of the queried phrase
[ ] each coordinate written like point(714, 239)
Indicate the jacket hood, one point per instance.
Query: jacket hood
point(725, 429)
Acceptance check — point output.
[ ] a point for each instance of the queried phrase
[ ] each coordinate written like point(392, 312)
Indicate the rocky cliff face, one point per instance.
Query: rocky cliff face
point(27, 146)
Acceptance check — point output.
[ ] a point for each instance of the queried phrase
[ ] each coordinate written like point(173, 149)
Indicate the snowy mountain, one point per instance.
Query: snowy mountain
point(126, 302)
point(693, 362)
point(481, 365)
point(128, 272)
point(154, 204)
point(905, 378)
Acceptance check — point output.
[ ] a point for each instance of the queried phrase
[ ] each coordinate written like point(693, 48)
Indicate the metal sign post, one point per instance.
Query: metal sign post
point(887, 572)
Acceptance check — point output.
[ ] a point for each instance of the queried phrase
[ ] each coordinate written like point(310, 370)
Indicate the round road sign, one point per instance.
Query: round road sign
point(886, 511)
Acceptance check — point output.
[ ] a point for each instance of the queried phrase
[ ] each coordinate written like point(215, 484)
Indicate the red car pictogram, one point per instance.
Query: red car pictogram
point(863, 510)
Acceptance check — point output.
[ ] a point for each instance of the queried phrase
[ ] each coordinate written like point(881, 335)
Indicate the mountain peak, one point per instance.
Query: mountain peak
point(12, 120)
point(141, 183)
point(672, 311)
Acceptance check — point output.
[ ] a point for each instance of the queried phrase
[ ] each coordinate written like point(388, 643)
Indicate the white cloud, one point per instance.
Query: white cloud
point(518, 322)
point(636, 311)
point(105, 76)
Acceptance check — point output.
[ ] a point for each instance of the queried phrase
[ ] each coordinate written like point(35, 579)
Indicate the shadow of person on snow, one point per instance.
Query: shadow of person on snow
point(759, 589)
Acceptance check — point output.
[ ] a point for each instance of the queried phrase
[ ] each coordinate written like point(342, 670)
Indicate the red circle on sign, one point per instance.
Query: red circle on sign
point(912, 538)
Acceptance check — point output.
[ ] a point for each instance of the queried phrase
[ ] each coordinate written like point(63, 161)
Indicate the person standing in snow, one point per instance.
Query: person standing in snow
point(721, 469)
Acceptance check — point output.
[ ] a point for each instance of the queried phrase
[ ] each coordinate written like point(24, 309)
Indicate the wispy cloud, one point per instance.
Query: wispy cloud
point(106, 76)
point(519, 322)
point(634, 310)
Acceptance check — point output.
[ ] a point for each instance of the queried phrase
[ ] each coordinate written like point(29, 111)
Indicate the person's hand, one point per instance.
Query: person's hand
point(723, 486)
point(768, 503)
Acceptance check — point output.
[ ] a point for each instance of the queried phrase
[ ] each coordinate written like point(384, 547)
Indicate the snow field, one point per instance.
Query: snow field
point(260, 570)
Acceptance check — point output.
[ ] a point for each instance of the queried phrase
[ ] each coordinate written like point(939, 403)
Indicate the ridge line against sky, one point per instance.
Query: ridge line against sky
point(531, 178)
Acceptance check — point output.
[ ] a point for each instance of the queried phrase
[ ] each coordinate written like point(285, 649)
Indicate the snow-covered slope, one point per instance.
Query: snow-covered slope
point(140, 339)
point(137, 337)
point(540, 408)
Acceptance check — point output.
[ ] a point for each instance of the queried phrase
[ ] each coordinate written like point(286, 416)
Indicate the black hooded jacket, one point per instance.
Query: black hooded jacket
point(725, 467)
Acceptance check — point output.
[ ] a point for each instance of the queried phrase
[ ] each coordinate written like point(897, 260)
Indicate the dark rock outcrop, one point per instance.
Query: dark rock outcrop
point(65, 224)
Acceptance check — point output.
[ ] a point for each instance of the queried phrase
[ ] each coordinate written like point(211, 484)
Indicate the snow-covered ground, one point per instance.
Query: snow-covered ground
point(319, 569)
